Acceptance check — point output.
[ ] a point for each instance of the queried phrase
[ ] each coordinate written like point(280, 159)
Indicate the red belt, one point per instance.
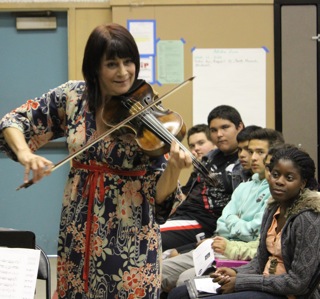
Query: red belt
point(96, 172)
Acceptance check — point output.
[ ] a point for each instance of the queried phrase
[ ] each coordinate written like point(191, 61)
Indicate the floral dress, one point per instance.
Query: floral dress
point(109, 242)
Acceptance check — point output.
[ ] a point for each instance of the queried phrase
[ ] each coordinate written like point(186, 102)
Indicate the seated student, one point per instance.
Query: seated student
point(287, 260)
point(241, 171)
point(200, 144)
point(199, 140)
point(239, 250)
point(243, 153)
point(241, 218)
point(205, 201)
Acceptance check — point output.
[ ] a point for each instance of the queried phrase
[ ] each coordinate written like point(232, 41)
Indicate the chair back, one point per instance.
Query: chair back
point(27, 239)
point(17, 239)
point(44, 265)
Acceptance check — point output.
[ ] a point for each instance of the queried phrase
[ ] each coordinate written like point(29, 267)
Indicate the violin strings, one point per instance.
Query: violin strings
point(168, 137)
point(151, 121)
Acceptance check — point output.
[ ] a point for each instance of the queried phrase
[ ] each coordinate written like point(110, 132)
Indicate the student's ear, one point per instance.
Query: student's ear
point(240, 127)
point(303, 184)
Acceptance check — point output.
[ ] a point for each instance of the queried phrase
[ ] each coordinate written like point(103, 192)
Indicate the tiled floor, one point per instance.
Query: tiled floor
point(41, 284)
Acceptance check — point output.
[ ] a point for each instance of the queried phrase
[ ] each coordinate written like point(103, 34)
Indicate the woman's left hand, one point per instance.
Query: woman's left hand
point(168, 181)
point(178, 158)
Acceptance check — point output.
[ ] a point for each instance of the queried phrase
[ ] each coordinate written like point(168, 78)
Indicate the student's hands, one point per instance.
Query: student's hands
point(227, 286)
point(224, 271)
point(226, 277)
point(39, 166)
point(219, 244)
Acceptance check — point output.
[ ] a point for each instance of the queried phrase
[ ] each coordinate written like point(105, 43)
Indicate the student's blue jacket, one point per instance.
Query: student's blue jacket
point(241, 217)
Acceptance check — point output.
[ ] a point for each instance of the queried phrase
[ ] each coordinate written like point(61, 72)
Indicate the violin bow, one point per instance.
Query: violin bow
point(108, 132)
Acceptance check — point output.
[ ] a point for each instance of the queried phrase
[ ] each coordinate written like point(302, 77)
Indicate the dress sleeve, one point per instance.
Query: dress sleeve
point(40, 120)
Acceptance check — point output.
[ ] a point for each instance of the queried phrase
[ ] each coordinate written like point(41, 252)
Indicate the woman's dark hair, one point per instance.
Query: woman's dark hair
point(301, 160)
point(226, 112)
point(106, 42)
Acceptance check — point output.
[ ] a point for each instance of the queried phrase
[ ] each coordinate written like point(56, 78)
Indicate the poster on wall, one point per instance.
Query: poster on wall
point(170, 61)
point(147, 71)
point(235, 77)
point(144, 34)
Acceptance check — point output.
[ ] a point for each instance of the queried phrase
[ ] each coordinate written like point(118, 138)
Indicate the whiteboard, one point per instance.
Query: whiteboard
point(235, 77)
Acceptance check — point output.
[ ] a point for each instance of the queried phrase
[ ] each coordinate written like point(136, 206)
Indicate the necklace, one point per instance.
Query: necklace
point(273, 265)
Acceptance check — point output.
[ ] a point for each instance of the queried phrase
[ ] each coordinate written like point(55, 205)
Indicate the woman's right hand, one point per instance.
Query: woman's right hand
point(39, 166)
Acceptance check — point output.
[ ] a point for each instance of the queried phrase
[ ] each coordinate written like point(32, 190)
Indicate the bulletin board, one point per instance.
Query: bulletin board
point(202, 25)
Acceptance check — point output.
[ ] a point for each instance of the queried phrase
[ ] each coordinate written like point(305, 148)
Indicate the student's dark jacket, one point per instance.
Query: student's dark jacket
point(204, 203)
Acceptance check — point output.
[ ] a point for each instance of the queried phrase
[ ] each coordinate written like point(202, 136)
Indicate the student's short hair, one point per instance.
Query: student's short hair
point(277, 146)
point(244, 135)
point(226, 112)
point(270, 135)
point(200, 128)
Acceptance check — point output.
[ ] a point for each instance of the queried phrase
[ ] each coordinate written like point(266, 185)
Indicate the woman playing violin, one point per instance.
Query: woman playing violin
point(109, 242)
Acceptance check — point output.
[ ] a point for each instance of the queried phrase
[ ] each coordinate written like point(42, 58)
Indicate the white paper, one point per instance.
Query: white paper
point(18, 272)
point(235, 77)
point(143, 31)
point(206, 285)
point(203, 257)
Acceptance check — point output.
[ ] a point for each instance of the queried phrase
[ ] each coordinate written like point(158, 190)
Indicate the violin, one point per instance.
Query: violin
point(154, 127)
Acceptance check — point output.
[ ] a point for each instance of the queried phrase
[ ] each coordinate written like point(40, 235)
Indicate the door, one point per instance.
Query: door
point(297, 73)
point(31, 63)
